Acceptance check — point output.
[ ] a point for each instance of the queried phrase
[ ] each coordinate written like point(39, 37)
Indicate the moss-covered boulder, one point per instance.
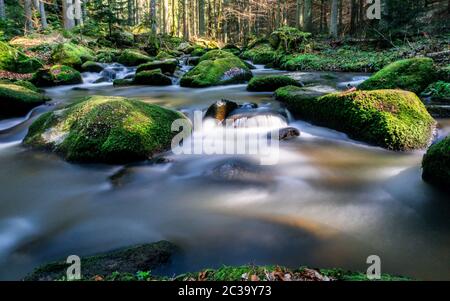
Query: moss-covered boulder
point(164, 55)
point(198, 51)
point(271, 83)
point(436, 164)
point(411, 74)
point(166, 66)
point(72, 55)
point(122, 82)
point(260, 54)
point(216, 68)
point(12, 59)
point(91, 66)
point(56, 75)
point(104, 129)
point(232, 49)
point(17, 100)
point(288, 39)
point(133, 58)
point(131, 260)
point(393, 119)
point(152, 78)
point(438, 91)
point(107, 56)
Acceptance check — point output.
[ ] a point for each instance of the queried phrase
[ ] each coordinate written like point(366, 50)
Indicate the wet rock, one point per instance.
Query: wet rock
point(193, 60)
point(239, 170)
point(143, 257)
point(288, 133)
point(91, 66)
point(221, 109)
point(101, 79)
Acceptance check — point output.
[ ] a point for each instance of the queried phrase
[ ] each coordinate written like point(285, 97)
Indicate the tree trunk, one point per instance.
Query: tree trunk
point(153, 15)
point(2, 10)
point(78, 14)
point(308, 15)
point(201, 17)
point(334, 19)
point(28, 16)
point(68, 14)
point(42, 14)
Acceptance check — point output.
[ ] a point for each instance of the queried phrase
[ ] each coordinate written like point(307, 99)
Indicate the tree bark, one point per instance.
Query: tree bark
point(2, 10)
point(201, 17)
point(153, 16)
point(68, 14)
point(78, 13)
point(334, 19)
point(28, 17)
point(43, 14)
point(308, 15)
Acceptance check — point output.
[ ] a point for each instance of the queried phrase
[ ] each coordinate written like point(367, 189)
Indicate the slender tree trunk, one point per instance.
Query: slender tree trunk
point(308, 15)
point(353, 16)
point(78, 13)
point(2, 10)
point(334, 19)
point(43, 14)
point(68, 14)
point(28, 16)
point(201, 17)
point(153, 15)
point(298, 13)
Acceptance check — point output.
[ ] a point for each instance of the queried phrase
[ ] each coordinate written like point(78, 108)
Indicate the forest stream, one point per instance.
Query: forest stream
point(329, 202)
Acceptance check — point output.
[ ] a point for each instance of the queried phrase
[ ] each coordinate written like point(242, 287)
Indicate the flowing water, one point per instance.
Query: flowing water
point(329, 202)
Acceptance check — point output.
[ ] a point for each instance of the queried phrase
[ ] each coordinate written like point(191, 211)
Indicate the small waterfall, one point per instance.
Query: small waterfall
point(110, 72)
point(260, 121)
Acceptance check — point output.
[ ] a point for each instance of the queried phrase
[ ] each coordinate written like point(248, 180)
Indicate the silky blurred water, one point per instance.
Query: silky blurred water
point(329, 202)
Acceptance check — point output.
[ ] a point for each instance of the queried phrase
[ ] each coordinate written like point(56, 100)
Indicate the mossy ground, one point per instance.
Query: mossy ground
point(393, 119)
point(12, 59)
point(436, 164)
point(410, 74)
point(16, 100)
point(270, 83)
point(104, 129)
point(260, 54)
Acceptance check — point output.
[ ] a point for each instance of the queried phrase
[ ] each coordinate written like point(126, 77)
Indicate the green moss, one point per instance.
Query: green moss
point(216, 54)
point(232, 49)
point(288, 39)
point(270, 83)
point(16, 100)
point(133, 58)
point(126, 261)
point(107, 56)
point(152, 78)
point(343, 275)
point(71, 55)
point(438, 91)
point(12, 59)
point(163, 55)
point(22, 83)
point(57, 75)
point(216, 68)
point(260, 54)
point(122, 82)
point(410, 74)
point(198, 51)
point(393, 119)
point(105, 129)
point(91, 66)
point(166, 66)
point(436, 164)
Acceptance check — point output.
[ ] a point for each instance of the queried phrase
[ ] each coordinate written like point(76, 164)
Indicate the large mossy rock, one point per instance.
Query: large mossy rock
point(436, 164)
point(133, 58)
point(166, 66)
point(152, 78)
point(288, 39)
point(271, 83)
point(56, 75)
point(91, 66)
point(411, 74)
point(17, 100)
point(260, 54)
point(107, 55)
point(393, 119)
point(139, 258)
point(104, 129)
point(72, 55)
point(216, 68)
point(12, 59)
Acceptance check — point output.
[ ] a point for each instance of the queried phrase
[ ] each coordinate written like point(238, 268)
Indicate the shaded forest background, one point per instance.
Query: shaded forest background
point(227, 21)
